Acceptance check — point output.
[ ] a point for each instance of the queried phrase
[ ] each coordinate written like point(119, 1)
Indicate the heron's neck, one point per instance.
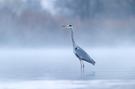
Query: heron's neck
point(72, 37)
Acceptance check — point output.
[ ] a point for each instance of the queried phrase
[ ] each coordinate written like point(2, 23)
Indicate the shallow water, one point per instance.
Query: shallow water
point(114, 69)
point(68, 84)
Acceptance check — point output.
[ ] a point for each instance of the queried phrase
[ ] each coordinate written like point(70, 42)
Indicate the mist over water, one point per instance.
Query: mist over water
point(54, 64)
point(36, 52)
point(42, 68)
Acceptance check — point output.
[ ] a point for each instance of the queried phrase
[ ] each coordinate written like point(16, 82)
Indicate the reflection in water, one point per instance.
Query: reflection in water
point(85, 76)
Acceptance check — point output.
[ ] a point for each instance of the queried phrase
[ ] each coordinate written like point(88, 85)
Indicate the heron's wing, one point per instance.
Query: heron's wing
point(83, 55)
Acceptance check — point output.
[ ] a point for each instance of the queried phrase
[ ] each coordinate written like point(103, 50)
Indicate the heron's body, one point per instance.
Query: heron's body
point(79, 52)
point(82, 55)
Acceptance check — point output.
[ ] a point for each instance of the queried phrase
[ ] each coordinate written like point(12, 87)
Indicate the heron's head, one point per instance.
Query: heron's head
point(68, 27)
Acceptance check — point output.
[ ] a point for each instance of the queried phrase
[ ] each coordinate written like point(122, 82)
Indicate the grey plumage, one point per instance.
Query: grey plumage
point(82, 55)
point(79, 52)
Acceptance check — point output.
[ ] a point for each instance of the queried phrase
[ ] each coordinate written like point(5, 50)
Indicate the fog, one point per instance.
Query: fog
point(61, 64)
point(36, 52)
point(35, 23)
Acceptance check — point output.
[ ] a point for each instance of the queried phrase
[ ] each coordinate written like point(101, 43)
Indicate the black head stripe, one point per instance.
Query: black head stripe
point(70, 25)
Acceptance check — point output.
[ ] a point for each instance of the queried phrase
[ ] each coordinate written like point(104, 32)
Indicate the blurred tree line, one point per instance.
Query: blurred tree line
point(26, 22)
point(85, 9)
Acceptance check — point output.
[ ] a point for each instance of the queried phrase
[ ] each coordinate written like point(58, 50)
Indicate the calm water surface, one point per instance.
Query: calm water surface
point(58, 68)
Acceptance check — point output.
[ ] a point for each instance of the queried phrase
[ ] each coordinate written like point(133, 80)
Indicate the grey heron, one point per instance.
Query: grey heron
point(79, 52)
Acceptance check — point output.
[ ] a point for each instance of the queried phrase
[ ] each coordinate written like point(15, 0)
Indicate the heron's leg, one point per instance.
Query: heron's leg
point(81, 64)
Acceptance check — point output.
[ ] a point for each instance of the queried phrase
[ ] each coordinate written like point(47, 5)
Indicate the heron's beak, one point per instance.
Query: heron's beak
point(64, 26)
